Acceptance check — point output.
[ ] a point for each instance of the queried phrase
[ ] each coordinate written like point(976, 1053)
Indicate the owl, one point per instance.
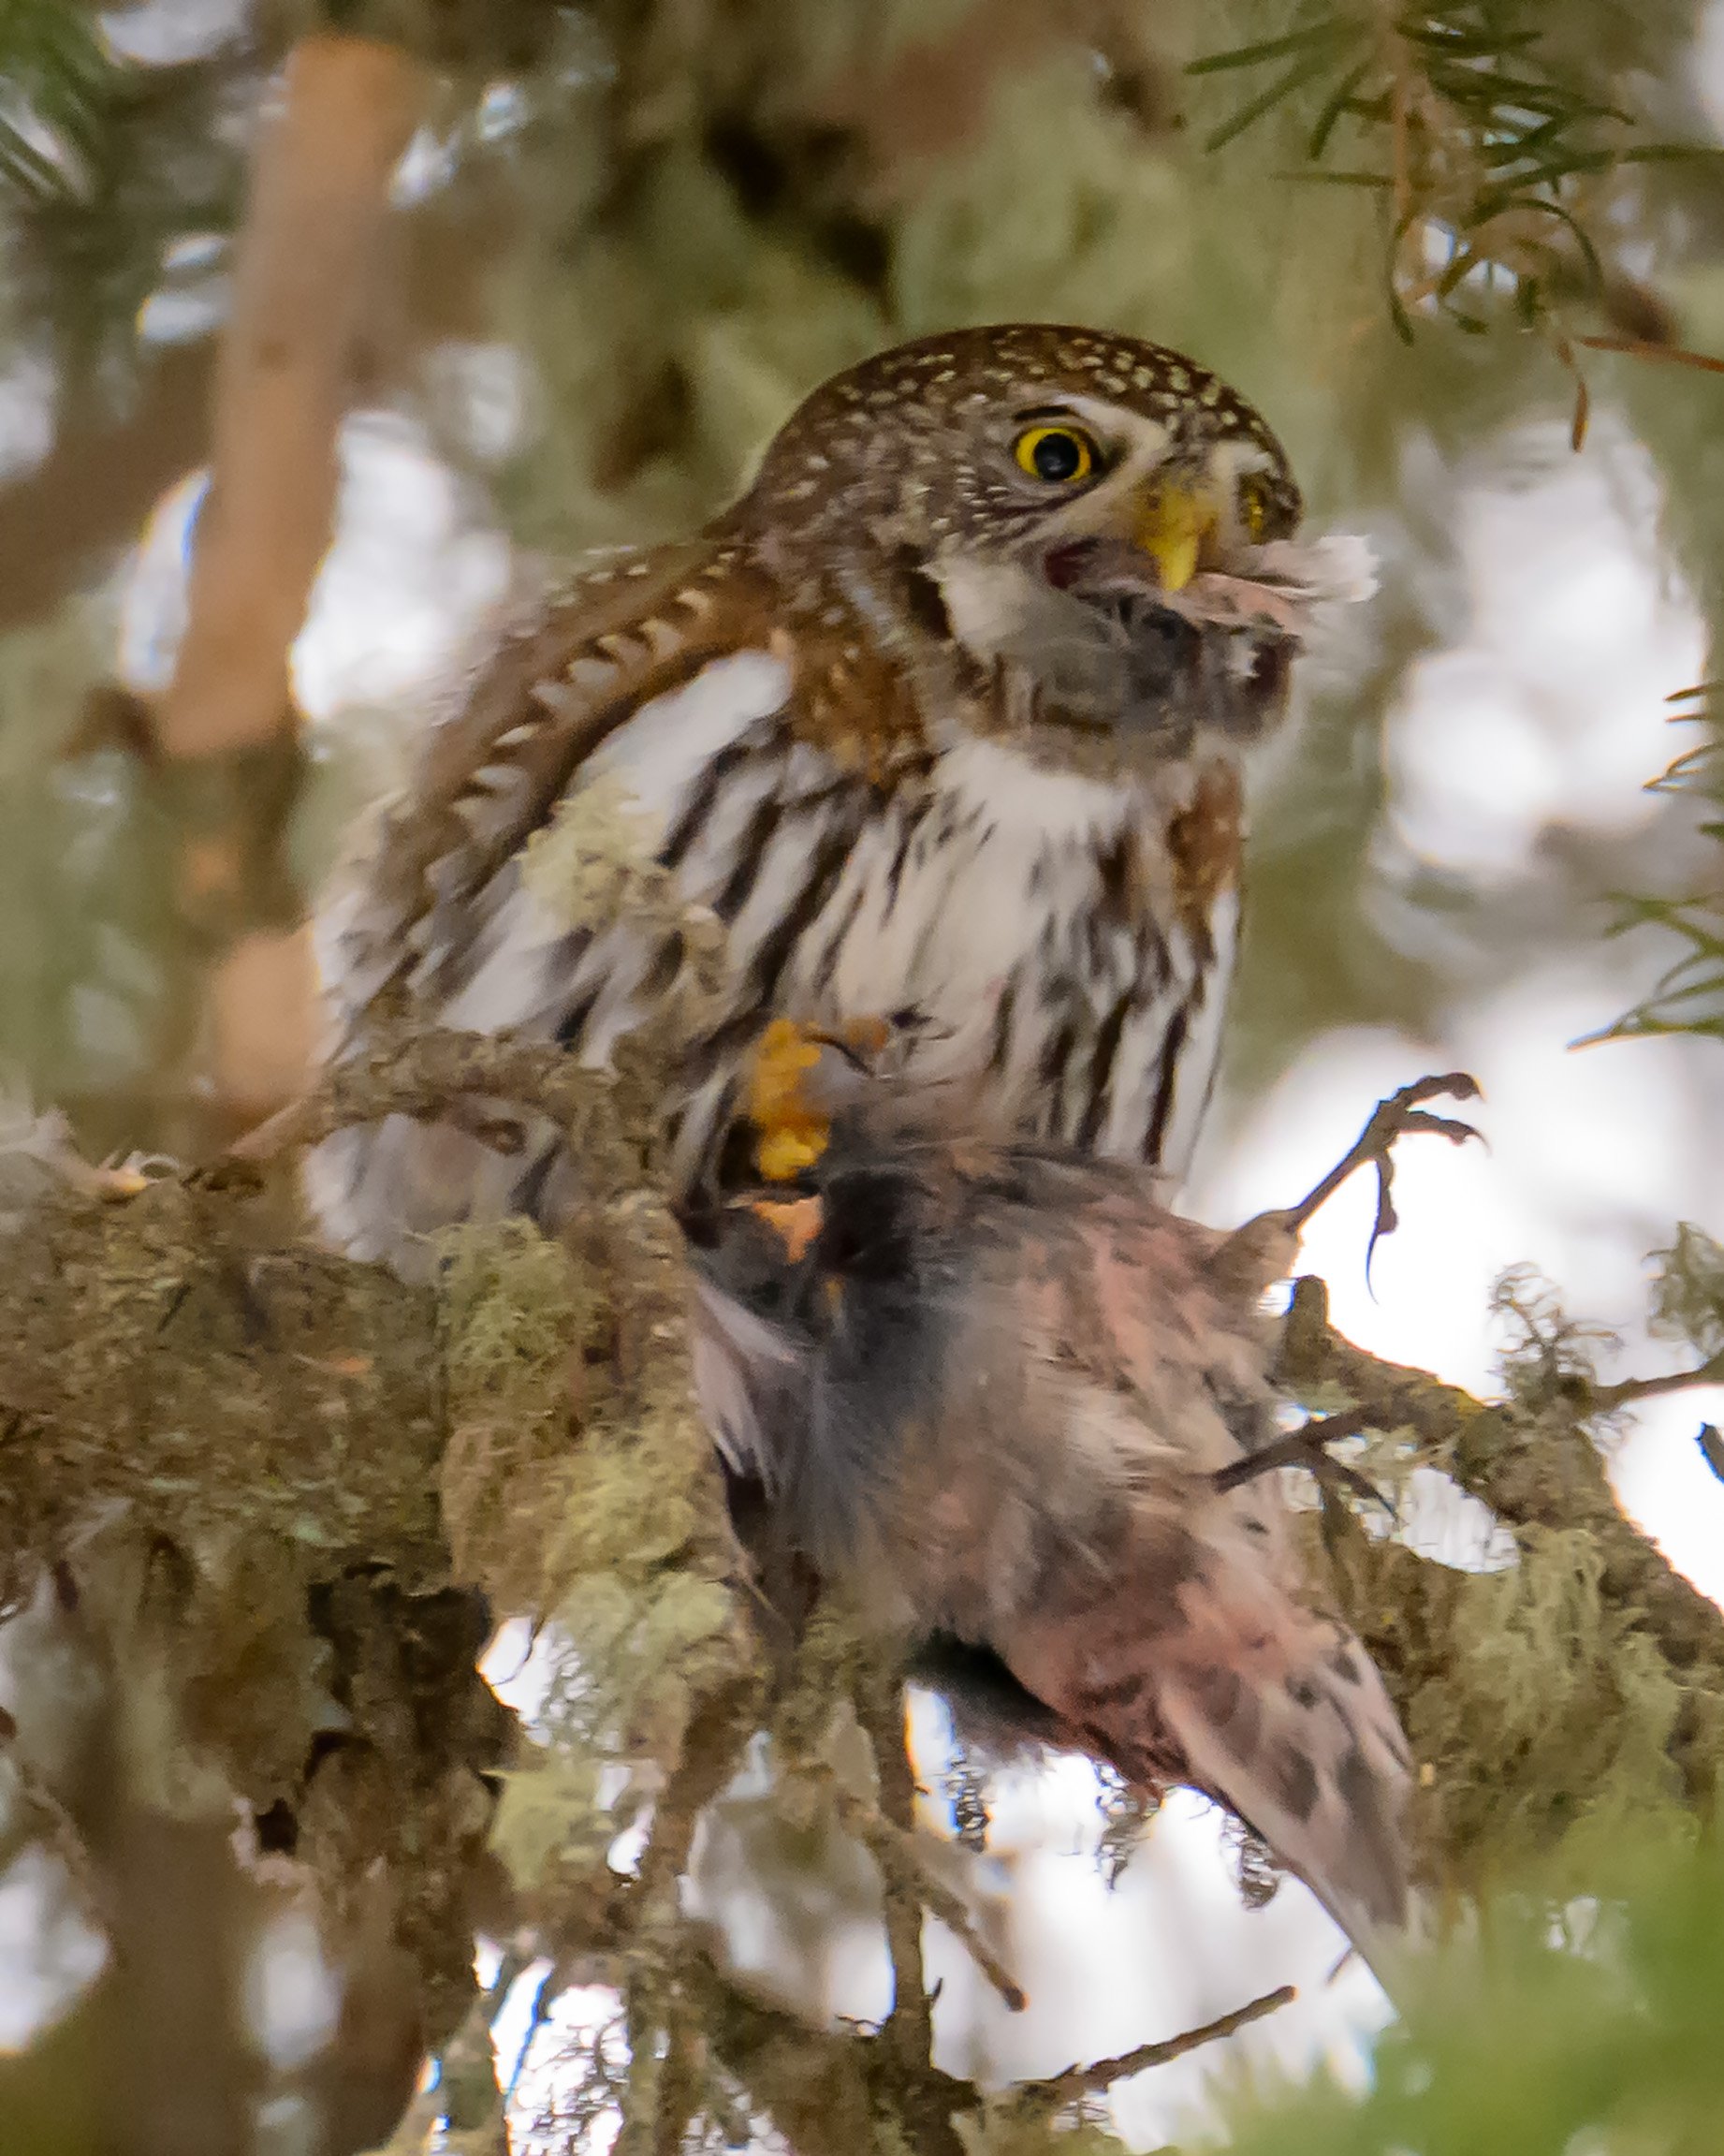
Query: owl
point(1011, 1402)
point(948, 719)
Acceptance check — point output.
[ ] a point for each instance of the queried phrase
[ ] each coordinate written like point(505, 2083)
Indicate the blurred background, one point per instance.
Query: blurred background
point(613, 244)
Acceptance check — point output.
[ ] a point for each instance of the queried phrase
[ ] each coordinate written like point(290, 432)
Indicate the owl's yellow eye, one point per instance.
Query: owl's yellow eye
point(1254, 507)
point(1060, 456)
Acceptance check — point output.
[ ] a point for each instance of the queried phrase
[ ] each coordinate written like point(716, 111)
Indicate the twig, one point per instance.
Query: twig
point(1544, 1473)
point(816, 2085)
point(712, 1747)
point(895, 1851)
point(664, 2089)
point(1303, 1447)
point(1059, 2090)
point(1606, 1399)
point(880, 1709)
point(1644, 349)
point(420, 1073)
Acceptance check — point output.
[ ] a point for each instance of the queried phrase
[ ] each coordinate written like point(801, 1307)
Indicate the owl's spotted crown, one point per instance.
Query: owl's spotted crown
point(916, 406)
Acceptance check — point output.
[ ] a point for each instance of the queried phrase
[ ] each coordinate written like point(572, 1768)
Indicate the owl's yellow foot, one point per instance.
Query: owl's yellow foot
point(793, 1133)
point(793, 1127)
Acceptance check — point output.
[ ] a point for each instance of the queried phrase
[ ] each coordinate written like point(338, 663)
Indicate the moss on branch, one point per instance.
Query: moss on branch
point(288, 1488)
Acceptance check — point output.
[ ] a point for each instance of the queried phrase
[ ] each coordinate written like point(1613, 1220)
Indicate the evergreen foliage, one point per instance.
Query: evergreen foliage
point(115, 180)
point(1544, 2037)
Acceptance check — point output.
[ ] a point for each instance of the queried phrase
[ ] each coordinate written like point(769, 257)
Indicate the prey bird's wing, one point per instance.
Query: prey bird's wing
point(1199, 1661)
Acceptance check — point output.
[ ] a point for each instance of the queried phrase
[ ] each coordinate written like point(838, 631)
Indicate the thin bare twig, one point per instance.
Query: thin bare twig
point(1644, 349)
point(895, 1851)
point(1059, 2090)
point(1608, 1398)
point(1303, 1447)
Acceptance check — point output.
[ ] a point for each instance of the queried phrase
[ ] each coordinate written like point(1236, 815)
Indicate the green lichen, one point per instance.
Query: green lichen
point(580, 1488)
point(1542, 1709)
point(551, 1817)
point(512, 1320)
point(643, 1649)
point(1688, 1302)
point(596, 857)
point(1552, 1719)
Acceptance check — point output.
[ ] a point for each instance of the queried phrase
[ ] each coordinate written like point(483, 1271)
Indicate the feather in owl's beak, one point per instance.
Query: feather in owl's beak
point(1281, 585)
point(1176, 527)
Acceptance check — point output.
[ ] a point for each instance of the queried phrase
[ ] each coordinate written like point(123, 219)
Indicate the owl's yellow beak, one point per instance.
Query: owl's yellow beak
point(1173, 524)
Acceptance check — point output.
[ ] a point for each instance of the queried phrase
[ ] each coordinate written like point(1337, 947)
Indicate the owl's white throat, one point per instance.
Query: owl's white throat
point(1061, 664)
point(987, 603)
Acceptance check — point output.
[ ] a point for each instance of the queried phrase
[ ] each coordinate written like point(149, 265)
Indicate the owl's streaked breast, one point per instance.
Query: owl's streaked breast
point(1029, 919)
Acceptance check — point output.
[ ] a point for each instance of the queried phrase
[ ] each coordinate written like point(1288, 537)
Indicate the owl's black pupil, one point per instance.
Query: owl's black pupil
point(1057, 457)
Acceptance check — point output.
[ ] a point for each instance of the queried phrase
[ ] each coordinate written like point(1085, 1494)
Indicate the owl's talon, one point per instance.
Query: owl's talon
point(795, 1222)
point(1307, 1448)
point(784, 1104)
point(793, 1133)
point(1402, 1115)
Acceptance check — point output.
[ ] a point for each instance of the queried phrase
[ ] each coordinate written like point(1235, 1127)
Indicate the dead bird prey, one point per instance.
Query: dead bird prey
point(1005, 1395)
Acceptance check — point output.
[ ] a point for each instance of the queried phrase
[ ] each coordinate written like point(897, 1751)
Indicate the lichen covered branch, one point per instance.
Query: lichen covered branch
point(1549, 1699)
point(288, 1486)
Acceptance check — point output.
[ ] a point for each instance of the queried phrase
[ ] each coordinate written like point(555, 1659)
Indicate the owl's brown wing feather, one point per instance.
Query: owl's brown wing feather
point(552, 689)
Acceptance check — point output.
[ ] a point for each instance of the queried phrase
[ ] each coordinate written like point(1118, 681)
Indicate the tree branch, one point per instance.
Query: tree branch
point(413, 1072)
point(1059, 2090)
point(909, 1882)
point(302, 295)
point(1532, 1471)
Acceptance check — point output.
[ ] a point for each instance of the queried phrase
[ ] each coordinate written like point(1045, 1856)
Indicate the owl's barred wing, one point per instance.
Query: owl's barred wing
point(561, 679)
point(531, 950)
point(648, 672)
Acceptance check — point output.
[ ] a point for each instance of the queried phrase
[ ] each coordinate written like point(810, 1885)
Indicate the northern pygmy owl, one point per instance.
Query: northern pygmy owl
point(947, 717)
point(1011, 1402)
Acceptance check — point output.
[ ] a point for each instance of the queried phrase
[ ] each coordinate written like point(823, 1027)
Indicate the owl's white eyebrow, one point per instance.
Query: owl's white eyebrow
point(1044, 411)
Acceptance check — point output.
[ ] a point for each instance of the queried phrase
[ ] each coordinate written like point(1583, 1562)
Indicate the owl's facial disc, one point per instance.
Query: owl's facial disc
point(1113, 485)
point(1122, 574)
